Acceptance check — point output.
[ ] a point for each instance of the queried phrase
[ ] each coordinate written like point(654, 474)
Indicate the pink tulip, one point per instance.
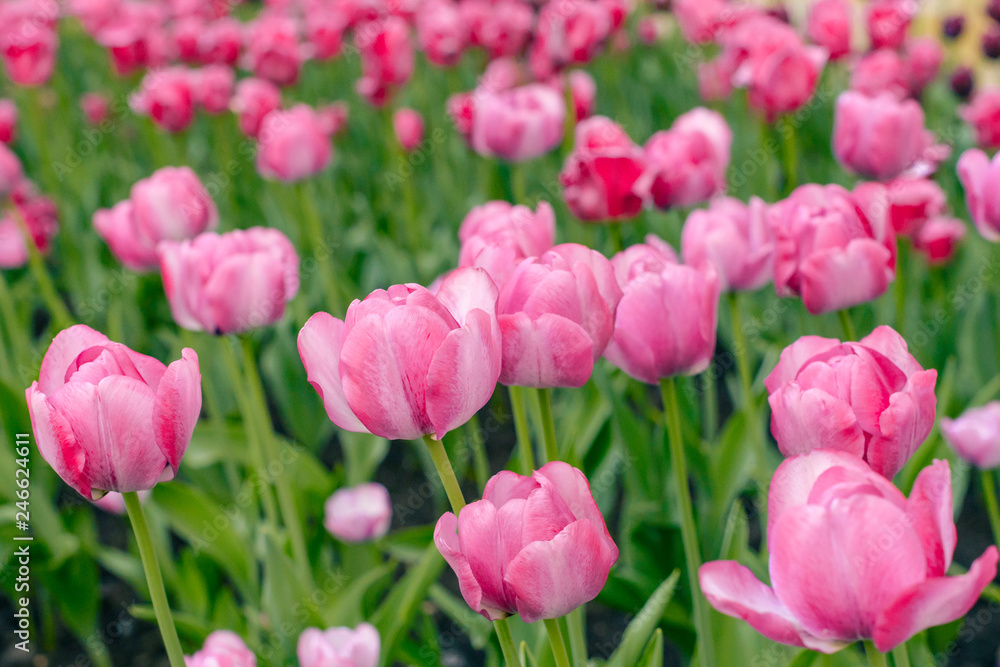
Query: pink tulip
point(134, 37)
point(980, 177)
point(870, 398)
point(213, 87)
point(851, 558)
point(8, 120)
point(600, 175)
point(166, 96)
point(340, 647)
point(325, 30)
point(94, 107)
point(360, 513)
point(185, 33)
point(386, 58)
point(110, 419)
point(583, 89)
point(32, 214)
point(975, 435)
point(441, 32)
point(114, 502)
point(938, 238)
point(333, 118)
point(502, 27)
point(222, 648)
point(293, 145)
point(568, 32)
point(735, 239)
point(666, 319)
point(557, 314)
point(28, 41)
point(878, 137)
point(909, 202)
point(220, 42)
point(687, 164)
point(699, 20)
point(888, 22)
point(829, 251)
point(557, 559)
point(405, 362)
point(881, 71)
point(11, 172)
point(497, 236)
point(253, 100)
point(273, 50)
point(983, 115)
point(715, 81)
point(515, 124)
point(923, 62)
point(829, 26)
point(229, 283)
point(409, 127)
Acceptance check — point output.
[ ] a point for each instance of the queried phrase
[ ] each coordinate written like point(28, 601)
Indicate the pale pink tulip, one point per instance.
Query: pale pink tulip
point(213, 87)
point(293, 145)
point(975, 435)
point(340, 647)
point(881, 71)
point(222, 648)
point(516, 124)
point(878, 137)
point(359, 513)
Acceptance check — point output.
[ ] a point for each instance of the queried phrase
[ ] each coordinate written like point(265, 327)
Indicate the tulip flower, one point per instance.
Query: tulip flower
point(27, 49)
point(557, 314)
point(687, 164)
point(975, 435)
point(498, 235)
point(223, 648)
point(340, 647)
point(514, 124)
point(829, 26)
point(908, 202)
point(666, 320)
point(878, 137)
point(110, 419)
point(212, 87)
point(599, 177)
point(938, 238)
point(735, 239)
point(442, 33)
point(32, 214)
point(293, 145)
point(166, 96)
point(220, 42)
point(11, 172)
point(273, 49)
point(881, 71)
point(980, 177)
point(828, 251)
point(405, 362)
point(94, 107)
point(557, 559)
point(923, 62)
point(568, 32)
point(983, 115)
point(114, 502)
point(325, 28)
point(888, 21)
point(252, 101)
point(870, 398)
point(851, 558)
point(700, 20)
point(409, 127)
point(229, 283)
point(386, 58)
point(583, 90)
point(360, 513)
point(502, 27)
point(8, 121)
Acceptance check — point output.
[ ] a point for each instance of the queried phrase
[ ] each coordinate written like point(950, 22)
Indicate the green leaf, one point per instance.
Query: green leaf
point(346, 601)
point(641, 628)
point(284, 596)
point(474, 625)
point(653, 655)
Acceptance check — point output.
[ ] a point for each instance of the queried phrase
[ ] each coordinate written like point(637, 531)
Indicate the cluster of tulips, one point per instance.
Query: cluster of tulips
point(850, 557)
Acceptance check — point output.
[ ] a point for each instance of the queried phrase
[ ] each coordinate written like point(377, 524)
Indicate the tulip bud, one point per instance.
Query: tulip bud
point(340, 647)
point(223, 649)
point(360, 513)
point(94, 107)
point(975, 435)
point(953, 26)
point(293, 145)
point(409, 128)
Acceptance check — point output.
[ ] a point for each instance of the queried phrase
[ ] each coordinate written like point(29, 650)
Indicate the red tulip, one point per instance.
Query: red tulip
point(110, 419)
point(870, 398)
point(557, 559)
point(405, 362)
point(599, 177)
point(851, 558)
point(909, 202)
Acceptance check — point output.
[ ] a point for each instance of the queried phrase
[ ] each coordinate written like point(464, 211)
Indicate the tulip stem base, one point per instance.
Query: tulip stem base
point(689, 534)
point(900, 656)
point(875, 657)
point(990, 498)
point(524, 450)
point(847, 325)
point(446, 473)
point(548, 424)
point(154, 579)
point(558, 644)
point(507, 643)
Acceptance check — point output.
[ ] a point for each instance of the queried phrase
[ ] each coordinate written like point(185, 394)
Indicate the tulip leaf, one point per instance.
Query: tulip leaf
point(212, 444)
point(188, 627)
point(642, 627)
point(346, 607)
point(284, 597)
point(653, 655)
point(526, 656)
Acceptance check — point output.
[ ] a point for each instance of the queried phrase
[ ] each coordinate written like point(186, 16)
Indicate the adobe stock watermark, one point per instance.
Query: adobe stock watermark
point(21, 560)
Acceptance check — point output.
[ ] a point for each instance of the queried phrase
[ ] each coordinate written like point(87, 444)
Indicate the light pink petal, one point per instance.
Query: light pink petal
point(886, 340)
point(125, 408)
point(934, 602)
point(56, 441)
point(572, 486)
point(446, 539)
point(506, 485)
point(734, 590)
point(63, 350)
point(550, 351)
point(246, 291)
point(177, 406)
point(904, 425)
point(794, 357)
point(479, 539)
point(320, 343)
point(803, 421)
point(466, 290)
point(834, 279)
point(930, 508)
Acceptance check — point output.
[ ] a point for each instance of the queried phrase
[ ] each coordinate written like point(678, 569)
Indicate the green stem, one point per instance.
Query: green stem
point(525, 452)
point(709, 400)
point(506, 643)
point(155, 580)
point(990, 498)
point(20, 343)
point(689, 534)
point(480, 462)
point(847, 325)
point(742, 351)
point(548, 424)
point(558, 645)
point(517, 189)
point(253, 435)
point(446, 473)
point(569, 124)
point(272, 451)
point(321, 251)
point(875, 657)
point(615, 230)
point(900, 656)
point(901, 265)
point(790, 155)
point(577, 636)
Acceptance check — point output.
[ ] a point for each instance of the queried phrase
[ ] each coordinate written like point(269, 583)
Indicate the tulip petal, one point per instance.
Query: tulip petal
point(889, 343)
point(466, 290)
point(838, 278)
point(56, 441)
point(447, 541)
point(506, 485)
point(320, 344)
point(127, 438)
point(734, 590)
point(551, 579)
point(904, 425)
point(573, 488)
point(551, 351)
point(930, 508)
point(803, 421)
point(246, 291)
point(934, 602)
point(177, 407)
point(64, 349)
